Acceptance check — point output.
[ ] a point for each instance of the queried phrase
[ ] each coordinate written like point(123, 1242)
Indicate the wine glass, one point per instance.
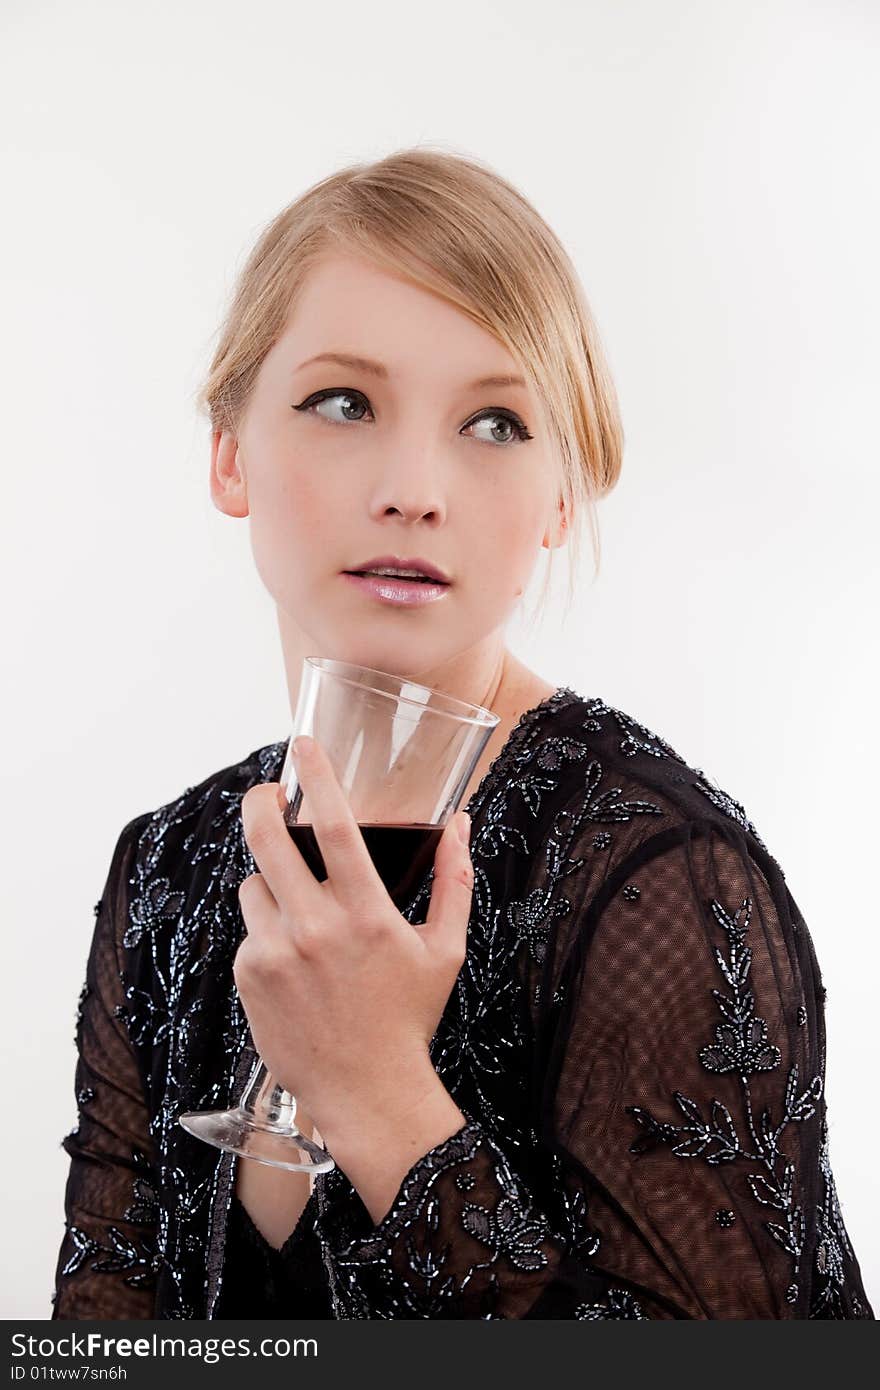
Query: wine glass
point(403, 754)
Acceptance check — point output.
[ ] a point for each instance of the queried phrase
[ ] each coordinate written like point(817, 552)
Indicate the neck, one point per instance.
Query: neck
point(481, 675)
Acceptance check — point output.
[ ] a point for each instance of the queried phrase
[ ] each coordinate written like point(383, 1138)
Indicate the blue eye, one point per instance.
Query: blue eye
point(355, 400)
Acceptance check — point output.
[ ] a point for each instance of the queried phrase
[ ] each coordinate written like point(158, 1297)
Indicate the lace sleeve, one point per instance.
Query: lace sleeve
point(106, 1265)
point(686, 1086)
point(683, 1108)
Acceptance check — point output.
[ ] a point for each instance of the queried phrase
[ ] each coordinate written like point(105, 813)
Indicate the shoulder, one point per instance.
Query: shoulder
point(203, 817)
point(660, 857)
point(626, 770)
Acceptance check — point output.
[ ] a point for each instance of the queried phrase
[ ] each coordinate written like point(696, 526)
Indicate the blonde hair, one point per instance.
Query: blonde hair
point(452, 226)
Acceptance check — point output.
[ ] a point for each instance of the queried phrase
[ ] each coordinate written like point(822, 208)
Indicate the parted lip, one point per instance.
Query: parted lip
point(396, 562)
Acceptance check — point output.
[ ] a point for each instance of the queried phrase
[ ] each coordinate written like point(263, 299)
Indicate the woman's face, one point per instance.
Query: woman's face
point(338, 464)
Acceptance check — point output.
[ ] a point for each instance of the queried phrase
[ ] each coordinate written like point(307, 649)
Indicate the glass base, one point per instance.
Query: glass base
point(235, 1131)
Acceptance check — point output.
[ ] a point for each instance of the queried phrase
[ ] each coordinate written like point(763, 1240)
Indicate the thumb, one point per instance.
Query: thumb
point(446, 922)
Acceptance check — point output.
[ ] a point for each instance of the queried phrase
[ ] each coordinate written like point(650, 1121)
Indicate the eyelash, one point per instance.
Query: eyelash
point(522, 433)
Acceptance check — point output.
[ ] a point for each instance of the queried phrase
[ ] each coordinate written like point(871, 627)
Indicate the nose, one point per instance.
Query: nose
point(411, 476)
point(411, 501)
point(410, 513)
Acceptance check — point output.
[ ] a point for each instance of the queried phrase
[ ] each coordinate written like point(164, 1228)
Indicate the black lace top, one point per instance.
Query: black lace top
point(636, 1040)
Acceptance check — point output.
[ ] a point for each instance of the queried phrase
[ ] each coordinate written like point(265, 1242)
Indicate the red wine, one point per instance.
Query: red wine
point(402, 854)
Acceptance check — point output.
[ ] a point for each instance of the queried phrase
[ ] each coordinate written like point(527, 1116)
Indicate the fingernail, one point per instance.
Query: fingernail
point(464, 827)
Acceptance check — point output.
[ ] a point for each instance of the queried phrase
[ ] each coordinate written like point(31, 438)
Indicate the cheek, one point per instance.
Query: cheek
point(292, 524)
point(510, 536)
point(292, 490)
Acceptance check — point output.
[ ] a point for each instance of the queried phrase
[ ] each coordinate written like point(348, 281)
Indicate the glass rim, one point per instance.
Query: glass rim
point(470, 713)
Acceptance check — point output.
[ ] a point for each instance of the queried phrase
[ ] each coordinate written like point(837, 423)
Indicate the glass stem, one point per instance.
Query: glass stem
point(266, 1103)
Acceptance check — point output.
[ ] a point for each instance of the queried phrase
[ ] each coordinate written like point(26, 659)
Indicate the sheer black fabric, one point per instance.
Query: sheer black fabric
point(262, 1282)
point(636, 1039)
point(108, 1262)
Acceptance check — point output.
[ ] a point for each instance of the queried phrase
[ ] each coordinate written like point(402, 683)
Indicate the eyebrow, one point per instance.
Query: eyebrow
point(364, 364)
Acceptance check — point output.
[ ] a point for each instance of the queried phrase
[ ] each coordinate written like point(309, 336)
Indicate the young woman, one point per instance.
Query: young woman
point(590, 1084)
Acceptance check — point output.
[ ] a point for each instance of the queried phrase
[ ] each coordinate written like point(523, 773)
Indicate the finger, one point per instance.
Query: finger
point(259, 911)
point(258, 905)
point(449, 910)
point(288, 877)
point(350, 869)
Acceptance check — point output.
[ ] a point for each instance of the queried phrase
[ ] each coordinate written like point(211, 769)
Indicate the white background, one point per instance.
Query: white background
point(711, 168)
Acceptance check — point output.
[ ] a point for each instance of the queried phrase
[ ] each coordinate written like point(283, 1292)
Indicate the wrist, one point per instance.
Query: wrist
point(411, 1101)
point(375, 1146)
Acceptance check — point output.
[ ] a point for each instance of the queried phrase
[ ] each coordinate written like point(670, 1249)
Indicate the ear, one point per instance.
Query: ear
point(227, 481)
point(556, 533)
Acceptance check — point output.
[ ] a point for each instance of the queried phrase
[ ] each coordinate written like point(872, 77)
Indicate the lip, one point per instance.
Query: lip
point(399, 593)
point(395, 562)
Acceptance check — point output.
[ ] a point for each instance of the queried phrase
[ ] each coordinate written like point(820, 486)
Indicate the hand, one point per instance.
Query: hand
point(342, 994)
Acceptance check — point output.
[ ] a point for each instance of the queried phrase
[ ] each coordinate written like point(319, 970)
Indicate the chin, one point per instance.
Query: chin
point(360, 651)
point(396, 654)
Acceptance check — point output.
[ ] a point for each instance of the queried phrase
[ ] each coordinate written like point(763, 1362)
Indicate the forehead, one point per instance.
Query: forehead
point(350, 304)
